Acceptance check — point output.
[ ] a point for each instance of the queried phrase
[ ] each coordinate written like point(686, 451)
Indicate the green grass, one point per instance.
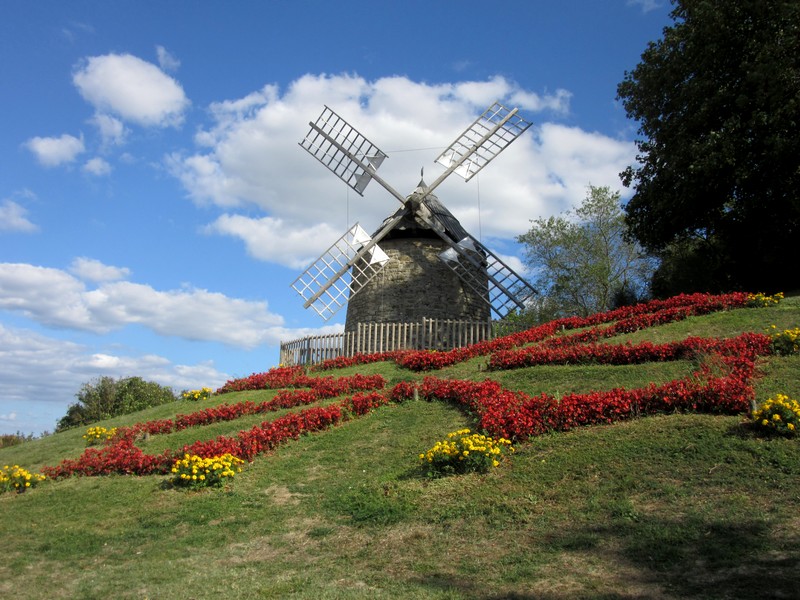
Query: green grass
point(673, 506)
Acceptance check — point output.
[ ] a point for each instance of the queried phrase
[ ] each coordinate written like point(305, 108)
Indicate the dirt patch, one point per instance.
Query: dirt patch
point(281, 495)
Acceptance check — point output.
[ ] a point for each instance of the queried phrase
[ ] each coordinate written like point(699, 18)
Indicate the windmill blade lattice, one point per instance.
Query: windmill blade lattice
point(338, 273)
point(474, 263)
point(487, 137)
point(343, 150)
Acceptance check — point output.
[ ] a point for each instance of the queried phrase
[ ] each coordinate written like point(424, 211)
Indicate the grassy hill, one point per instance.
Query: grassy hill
point(672, 505)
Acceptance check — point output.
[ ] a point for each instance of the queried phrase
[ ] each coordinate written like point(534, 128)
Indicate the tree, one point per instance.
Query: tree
point(717, 184)
point(582, 261)
point(107, 397)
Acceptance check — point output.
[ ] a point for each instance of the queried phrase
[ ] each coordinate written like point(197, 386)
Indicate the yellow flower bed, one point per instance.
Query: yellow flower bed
point(195, 395)
point(760, 300)
point(18, 479)
point(95, 435)
point(464, 452)
point(780, 414)
point(195, 472)
point(785, 342)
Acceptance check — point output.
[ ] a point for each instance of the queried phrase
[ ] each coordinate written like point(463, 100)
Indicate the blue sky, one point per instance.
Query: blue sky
point(155, 205)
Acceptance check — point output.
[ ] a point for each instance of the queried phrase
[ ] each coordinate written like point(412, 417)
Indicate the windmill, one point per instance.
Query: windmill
point(464, 279)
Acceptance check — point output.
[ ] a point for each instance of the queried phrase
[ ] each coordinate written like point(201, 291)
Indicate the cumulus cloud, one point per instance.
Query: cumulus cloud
point(131, 88)
point(249, 158)
point(55, 298)
point(97, 166)
point(90, 269)
point(55, 151)
point(13, 217)
point(272, 240)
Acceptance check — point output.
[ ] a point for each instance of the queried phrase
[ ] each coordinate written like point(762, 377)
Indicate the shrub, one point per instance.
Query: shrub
point(464, 452)
point(193, 471)
point(780, 414)
point(18, 479)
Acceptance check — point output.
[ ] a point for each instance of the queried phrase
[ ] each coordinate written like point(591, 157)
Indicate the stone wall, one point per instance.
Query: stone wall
point(414, 284)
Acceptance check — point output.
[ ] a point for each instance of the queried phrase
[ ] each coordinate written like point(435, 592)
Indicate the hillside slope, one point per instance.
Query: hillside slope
point(686, 502)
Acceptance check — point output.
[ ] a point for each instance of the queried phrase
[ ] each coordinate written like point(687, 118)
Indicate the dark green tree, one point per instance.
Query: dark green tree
point(717, 184)
point(582, 262)
point(107, 397)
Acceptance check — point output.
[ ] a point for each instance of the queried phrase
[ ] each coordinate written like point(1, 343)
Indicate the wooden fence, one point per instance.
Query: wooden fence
point(428, 334)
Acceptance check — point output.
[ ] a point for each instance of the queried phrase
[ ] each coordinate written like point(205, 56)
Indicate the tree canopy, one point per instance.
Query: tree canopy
point(107, 397)
point(582, 262)
point(717, 184)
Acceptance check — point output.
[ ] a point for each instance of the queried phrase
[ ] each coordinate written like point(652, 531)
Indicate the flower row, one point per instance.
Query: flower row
point(624, 320)
point(294, 377)
point(622, 354)
point(326, 387)
point(275, 378)
point(515, 415)
point(123, 457)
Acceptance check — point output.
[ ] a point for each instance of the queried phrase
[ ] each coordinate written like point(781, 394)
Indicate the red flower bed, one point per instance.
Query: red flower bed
point(121, 456)
point(514, 415)
point(325, 387)
point(624, 320)
point(275, 378)
point(618, 354)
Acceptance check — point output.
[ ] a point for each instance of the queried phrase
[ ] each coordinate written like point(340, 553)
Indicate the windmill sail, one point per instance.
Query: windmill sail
point(352, 259)
point(483, 271)
point(343, 150)
point(488, 136)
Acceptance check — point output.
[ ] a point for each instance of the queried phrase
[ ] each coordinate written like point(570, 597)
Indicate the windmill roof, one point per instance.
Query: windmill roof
point(451, 225)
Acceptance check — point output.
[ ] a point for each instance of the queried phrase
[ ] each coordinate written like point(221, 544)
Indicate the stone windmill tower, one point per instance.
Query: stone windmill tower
point(427, 264)
point(415, 282)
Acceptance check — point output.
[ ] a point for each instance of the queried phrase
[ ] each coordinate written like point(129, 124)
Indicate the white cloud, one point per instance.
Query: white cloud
point(273, 240)
point(55, 298)
point(12, 416)
point(97, 166)
point(166, 60)
point(131, 88)
point(90, 269)
point(13, 217)
point(112, 130)
point(55, 151)
point(250, 158)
